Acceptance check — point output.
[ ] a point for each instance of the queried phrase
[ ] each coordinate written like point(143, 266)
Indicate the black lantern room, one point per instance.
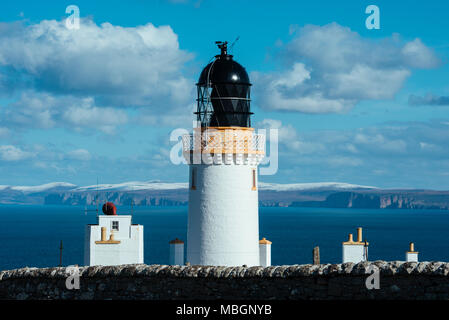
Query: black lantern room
point(224, 93)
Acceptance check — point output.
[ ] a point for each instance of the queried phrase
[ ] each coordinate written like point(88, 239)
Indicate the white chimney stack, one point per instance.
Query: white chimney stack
point(411, 255)
point(355, 251)
point(176, 252)
point(265, 252)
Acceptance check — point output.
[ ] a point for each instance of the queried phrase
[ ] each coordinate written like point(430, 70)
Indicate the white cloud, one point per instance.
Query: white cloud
point(331, 68)
point(79, 154)
point(289, 137)
point(84, 78)
point(380, 142)
point(364, 82)
point(285, 132)
point(12, 153)
point(342, 161)
point(284, 91)
point(291, 79)
point(43, 110)
point(132, 64)
point(407, 154)
point(181, 116)
point(106, 119)
point(429, 99)
point(417, 55)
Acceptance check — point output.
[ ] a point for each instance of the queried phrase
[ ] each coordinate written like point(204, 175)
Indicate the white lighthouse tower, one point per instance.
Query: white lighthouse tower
point(223, 154)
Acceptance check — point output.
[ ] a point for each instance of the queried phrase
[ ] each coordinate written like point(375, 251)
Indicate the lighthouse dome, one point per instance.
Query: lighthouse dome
point(224, 70)
point(224, 93)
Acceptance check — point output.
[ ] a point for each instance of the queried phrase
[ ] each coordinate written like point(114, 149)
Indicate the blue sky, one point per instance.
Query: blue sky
point(352, 105)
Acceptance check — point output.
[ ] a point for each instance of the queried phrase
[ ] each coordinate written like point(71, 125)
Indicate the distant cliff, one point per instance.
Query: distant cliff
point(148, 198)
point(325, 195)
point(378, 199)
point(382, 200)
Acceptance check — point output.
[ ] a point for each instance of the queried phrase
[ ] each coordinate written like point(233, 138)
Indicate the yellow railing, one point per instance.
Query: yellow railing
point(224, 140)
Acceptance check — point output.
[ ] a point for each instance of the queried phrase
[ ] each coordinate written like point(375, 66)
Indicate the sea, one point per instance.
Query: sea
point(30, 235)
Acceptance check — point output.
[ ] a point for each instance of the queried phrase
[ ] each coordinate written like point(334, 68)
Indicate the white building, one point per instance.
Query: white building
point(114, 240)
point(355, 251)
point(223, 154)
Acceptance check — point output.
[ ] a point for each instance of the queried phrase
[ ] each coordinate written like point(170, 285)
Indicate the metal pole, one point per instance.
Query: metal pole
point(60, 254)
point(316, 255)
point(366, 251)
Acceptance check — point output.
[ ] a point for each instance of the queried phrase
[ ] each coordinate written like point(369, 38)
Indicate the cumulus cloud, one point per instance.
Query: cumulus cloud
point(125, 65)
point(288, 137)
point(12, 153)
point(45, 111)
point(47, 159)
point(417, 55)
point(380, 142)
point(79, 154)
point(411, 140)
point(85, 78)
point(429, 99)
point(330, 68)
point(400, 154)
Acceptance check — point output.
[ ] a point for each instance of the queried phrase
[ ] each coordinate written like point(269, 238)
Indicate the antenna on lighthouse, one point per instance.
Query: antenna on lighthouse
point(232, 45)
point(223, 45)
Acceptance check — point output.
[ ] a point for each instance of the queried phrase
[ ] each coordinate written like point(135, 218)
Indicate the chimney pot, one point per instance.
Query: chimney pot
point(103, 233)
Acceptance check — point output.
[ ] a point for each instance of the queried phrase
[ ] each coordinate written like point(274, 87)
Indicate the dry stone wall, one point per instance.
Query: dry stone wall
point(397, 280)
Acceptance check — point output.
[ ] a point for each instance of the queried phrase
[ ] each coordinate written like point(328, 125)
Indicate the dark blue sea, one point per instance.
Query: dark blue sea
point(31, 235)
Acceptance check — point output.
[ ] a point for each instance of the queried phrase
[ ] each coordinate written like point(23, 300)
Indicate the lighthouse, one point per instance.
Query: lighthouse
point(223, 153)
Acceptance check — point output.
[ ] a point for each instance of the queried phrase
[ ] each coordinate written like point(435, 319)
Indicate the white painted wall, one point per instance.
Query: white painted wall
point(223, 222)
point(128, 251)
point(411, 256)
point(354, 253)
point(265, 255)
point(176, 254)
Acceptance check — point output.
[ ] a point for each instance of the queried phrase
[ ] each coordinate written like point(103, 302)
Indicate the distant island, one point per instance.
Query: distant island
point(156, 193)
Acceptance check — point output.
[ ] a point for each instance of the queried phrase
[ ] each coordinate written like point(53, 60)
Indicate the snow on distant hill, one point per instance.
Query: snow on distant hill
point(151, 185)
point(310, 186)
point(157, 185)
point(40, 188)
point(134, 186)
point(156, 193)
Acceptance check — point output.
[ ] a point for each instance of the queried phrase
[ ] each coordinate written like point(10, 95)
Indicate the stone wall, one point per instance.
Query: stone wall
point(398, 280)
